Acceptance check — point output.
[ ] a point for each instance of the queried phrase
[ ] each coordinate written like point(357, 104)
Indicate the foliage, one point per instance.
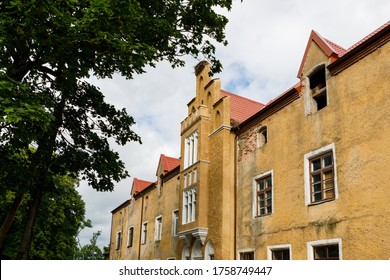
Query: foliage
point(90, 251)
point(49, 49)
point(62, 214)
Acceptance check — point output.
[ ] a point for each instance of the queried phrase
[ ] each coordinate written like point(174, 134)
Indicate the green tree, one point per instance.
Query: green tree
point(48, 49)
point(90, 251)
point(61, 216)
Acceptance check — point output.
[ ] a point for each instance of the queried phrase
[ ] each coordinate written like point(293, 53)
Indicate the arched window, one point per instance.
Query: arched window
point(196, 253)
point(185, 254)
point(209, 251)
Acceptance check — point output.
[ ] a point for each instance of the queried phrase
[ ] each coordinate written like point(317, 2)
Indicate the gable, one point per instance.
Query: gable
point(318, 50)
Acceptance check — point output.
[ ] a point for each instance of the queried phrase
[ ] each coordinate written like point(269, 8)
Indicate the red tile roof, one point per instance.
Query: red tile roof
point(140, 185)
point(241, 108)
point(369, 36)
point(169, 163)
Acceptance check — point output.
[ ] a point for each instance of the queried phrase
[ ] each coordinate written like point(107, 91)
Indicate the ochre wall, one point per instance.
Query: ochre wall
point(357, 122)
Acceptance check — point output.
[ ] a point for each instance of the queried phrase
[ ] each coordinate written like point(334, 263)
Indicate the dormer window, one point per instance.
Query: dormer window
point(317, 82)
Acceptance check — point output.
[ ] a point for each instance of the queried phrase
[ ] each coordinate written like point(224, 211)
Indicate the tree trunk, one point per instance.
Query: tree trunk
point(9, 219)
point(28, 230)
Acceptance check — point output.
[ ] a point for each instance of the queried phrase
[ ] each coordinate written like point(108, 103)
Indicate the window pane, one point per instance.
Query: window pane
point(333, 251)
point(316, 164)
point(317, 196)
point(261, 185)
point(317, 187)
point(320, 253)
point(328, 174)
point(316, 178)
point(283, 254)
point(328, 160)
point(269, 182)
point(329, 184)
point(329, 194)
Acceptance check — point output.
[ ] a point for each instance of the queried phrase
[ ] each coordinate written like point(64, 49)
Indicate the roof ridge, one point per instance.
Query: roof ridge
point(383, 26)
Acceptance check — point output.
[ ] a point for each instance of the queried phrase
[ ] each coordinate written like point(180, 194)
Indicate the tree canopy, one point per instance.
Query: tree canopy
point(49, 49)
point(61, 217)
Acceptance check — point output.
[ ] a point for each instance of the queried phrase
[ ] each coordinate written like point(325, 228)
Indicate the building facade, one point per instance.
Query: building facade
point(301, 177)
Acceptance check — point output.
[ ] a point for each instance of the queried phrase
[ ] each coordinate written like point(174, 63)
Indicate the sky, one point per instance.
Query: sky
point(267, 39)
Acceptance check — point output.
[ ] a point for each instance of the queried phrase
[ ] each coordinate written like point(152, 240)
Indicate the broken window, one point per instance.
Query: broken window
point(262, 136)
point(318, 89)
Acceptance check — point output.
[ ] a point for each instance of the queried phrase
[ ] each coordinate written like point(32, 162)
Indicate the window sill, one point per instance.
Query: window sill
point(262, 216)
point(320, 202)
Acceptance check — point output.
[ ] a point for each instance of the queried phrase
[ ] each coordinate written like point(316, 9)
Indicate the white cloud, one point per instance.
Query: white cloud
point(267, 40)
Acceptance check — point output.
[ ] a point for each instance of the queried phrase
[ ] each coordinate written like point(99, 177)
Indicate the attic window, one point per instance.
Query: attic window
point(317, 81)
point(262, 136)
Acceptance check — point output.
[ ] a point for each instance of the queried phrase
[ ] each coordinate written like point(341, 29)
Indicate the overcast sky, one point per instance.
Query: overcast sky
point(267, 39)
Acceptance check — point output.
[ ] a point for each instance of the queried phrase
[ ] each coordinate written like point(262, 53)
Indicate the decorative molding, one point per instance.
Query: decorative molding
point(198, 233)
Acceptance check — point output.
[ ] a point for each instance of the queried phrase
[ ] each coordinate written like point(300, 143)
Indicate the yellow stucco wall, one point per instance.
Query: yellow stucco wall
point(356, 121)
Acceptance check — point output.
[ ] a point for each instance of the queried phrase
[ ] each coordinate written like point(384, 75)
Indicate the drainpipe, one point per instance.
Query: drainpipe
point(140, 227)
point(235, 193)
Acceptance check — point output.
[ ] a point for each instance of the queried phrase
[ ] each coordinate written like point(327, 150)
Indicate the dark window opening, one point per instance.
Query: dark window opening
point(328, 252)
point(281, 254)
point(247, 256)
point(318, 89)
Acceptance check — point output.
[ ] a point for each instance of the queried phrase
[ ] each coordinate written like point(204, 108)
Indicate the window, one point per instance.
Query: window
point(279, 252)
point(158, 229)
point(144, 232)
point(317, 82)
point(118, 240)
point(189, 205)
point(130, 237)
point(247, 255)
point(262, 136)
point(325, 249)
point(175, 222)
point(263, 195)
point(191, 149)
point(320, 175)
point(327, 252)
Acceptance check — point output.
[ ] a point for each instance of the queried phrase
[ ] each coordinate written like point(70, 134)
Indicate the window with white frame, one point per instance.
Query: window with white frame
point(191, 149)
point(144, 233)
point(320, 175)
point(118, 240)
point(279, 252)
point(158, 228)
point(263, 194)
point(175, 222)
point(130, 236)
point(189, 205)
point(328, 249)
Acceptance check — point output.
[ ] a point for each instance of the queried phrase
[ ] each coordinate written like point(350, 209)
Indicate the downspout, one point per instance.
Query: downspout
point(140, 228)
point(235, 193)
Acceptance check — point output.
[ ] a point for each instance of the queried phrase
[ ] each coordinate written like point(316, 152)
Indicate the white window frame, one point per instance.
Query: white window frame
point(254, 196)
point(324, 242)
point(130, 240)
point(144, 233)
point(272, 248)
point(158, 228)
point(191, 149)
point(175, 222)
point(306, 166)
point(189, 205)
